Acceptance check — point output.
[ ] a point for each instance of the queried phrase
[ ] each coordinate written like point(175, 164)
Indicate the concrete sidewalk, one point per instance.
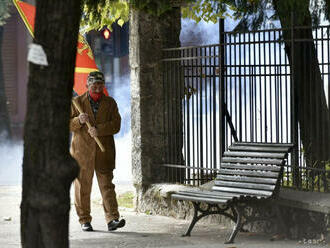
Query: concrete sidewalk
point(141, 230)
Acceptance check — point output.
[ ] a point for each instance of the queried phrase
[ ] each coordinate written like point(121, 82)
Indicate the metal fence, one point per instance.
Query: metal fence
point(196, 70)
point(253, 84)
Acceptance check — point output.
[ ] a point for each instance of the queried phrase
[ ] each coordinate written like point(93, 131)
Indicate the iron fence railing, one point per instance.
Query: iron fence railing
point(196, 69)
point(254, 85)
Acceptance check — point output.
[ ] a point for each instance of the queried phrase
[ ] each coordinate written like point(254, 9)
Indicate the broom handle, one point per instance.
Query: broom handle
point(89, 126)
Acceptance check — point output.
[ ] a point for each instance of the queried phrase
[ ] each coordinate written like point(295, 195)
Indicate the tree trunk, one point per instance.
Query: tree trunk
point(48, 168)
point(5, 132)
point(312, 110)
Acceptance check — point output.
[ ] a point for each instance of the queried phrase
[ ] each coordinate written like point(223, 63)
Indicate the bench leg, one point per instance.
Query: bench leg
point(195, 219)
point(208, 211)
point(237, 227)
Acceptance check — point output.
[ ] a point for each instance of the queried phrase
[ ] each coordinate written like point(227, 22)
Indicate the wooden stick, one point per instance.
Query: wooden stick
point(89, 126)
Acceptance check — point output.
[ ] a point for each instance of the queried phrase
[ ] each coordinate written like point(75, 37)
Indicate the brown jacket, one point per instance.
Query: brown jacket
point(107, 122)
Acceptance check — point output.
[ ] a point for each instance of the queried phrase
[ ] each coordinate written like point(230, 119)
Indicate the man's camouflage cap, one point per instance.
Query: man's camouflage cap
point(94, 77)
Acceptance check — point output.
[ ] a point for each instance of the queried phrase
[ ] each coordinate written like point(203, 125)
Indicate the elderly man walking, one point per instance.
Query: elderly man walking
point(102, 113)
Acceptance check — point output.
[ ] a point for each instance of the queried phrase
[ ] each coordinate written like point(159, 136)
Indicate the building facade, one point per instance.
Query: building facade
point(15, 68)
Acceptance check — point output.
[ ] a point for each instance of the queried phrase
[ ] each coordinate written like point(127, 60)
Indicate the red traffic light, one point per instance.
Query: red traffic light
point(106, 34)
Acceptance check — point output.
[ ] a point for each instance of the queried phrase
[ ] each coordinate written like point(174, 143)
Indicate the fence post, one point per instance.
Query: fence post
point(294, 112)
point(222, 87)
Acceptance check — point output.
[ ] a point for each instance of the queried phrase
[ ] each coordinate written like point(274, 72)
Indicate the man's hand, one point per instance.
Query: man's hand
point(83, 118)
point(93, 132)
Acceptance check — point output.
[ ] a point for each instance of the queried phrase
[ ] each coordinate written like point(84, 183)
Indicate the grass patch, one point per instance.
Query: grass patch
point(126, 199)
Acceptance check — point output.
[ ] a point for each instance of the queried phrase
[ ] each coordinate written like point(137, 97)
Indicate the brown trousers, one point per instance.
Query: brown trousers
point(83, 188)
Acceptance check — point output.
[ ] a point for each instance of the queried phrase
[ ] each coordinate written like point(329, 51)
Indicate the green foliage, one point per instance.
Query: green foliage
point(148, 212)
point(126, 199)
point(99, 14)
point(204, 10)
point(311, 179)
point(254, 14)
point(251, 13)
point(4, 11)
point(212, 10)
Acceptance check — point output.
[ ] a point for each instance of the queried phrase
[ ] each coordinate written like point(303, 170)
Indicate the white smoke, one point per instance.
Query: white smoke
point(202, 33)
point(11, 154)
point(121, 93)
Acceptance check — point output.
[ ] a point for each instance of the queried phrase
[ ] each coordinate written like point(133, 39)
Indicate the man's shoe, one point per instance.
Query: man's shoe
point(114, 224)
point(87, 227)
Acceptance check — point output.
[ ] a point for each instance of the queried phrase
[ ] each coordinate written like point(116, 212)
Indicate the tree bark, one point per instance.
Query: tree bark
point(48, 168)
point(149, 34)
point(312, 110)
point(5, 132)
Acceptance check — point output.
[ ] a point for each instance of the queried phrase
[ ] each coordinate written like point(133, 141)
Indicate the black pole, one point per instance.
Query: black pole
point(222, 86)
point(294, 111)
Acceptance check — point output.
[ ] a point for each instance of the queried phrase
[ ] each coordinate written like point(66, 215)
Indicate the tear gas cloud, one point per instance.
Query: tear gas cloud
point(11, 154)
point(201, 33)
point(121, 93)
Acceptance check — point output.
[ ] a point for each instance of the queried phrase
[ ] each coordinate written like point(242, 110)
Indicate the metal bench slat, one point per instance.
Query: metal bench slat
point(244, 191)
point(199, 199)
point(213, 196)
point(286, 145)
point(251, 167)
point(208, 192)
point(245, 185)
point(255, 154)
point(252, 161)
point(247, 179)
point(249, 173)
point(258, 149)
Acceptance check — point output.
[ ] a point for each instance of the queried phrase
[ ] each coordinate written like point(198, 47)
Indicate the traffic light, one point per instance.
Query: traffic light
point(106, 34)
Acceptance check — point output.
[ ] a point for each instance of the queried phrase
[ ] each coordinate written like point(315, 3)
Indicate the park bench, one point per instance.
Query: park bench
point(250, 173)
